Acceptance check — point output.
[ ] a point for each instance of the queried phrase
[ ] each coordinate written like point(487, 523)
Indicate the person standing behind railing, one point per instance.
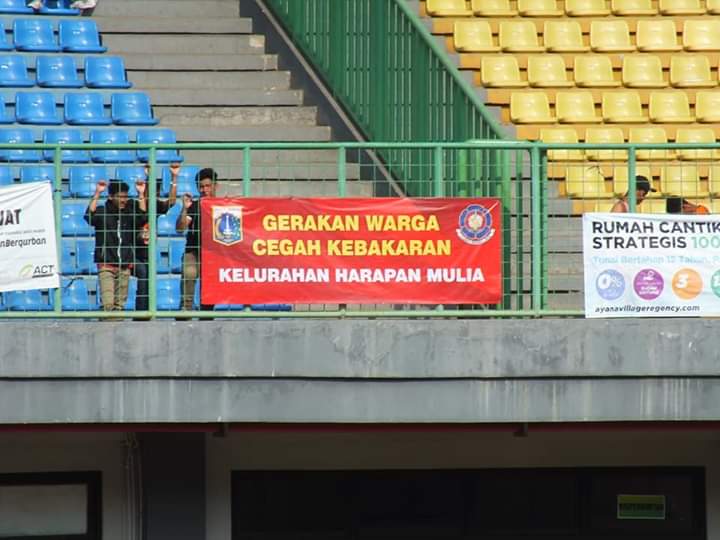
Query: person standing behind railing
point(116, 225)
point(189, 219)
point(642, 188)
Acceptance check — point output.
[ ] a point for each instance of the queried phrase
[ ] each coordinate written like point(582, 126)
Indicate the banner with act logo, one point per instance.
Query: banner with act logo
point(639, 265)
point(28, 250)
point(288, 250)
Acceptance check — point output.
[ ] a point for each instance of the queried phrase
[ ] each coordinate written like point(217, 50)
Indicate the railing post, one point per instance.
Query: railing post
point(536, 224)
point(632, 190)
point(342, 171)
point(246, 171)
point(57, 209)
point(152, 241)
point(438, 186)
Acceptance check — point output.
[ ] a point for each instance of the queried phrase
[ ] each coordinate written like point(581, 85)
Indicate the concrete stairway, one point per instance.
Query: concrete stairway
point(210, 80)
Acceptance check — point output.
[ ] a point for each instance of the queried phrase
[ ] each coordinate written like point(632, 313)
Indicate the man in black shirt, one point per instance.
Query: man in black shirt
point(189, 219)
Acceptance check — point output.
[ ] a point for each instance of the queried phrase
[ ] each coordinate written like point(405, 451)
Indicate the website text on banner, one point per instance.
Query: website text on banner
point(360, 250)
point(651, 265)
point(28, 251)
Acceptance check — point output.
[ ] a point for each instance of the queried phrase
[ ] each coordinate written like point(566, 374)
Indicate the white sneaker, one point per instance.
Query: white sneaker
point(36, 4)
point(83, 4)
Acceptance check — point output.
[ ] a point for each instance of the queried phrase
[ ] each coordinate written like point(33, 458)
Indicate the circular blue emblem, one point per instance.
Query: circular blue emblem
point(610, 284)
point(475, 224)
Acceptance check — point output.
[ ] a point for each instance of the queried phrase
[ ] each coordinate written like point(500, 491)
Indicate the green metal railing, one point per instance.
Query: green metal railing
point(397, 83)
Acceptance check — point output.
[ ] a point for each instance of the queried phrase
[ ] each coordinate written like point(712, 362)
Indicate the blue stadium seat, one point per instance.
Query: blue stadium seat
point(166, 222)
point(130, 175)
point(162, 252)
point(73, 221)
point(68, 264)
point(111, 136)
point(57, 72)
point(34, 35)
point(58, 7)
point(185, 182)
point(85, 256)
point(229, 307)
point(271, 307)
point(14, 72)
point(14, 7)
point(6, 176)
point(35, 300)
point(170, 255)
point(177, 250)
point(132, 294)
point(65, 136)
point(80, 36)
point(36, 108)
point(168, 293)
point(75, 295)
point(84, 178)
point(18, 136)
point(158, 136)
point(5, 45)
point(132, 109)
point(105, 72)
point(5, 116)
point(85, 109)
point(37, 173)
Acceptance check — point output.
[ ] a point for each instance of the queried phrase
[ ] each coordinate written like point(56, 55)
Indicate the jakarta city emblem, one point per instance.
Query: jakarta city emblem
point(227, 224)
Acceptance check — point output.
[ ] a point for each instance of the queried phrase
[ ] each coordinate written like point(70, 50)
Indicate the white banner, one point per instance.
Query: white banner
point(28, 250)
point(639, 265)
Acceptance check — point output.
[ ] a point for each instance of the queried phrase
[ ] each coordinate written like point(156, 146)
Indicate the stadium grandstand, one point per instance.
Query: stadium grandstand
point(359, 269)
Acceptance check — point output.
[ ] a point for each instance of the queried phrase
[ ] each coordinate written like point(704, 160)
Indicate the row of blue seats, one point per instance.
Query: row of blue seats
point(60, 71)
point(79, 109)
point(77, 255)
point(81, 294)
point(74, 224)
point(104, 137)
point(50, 7)
point(38, 35)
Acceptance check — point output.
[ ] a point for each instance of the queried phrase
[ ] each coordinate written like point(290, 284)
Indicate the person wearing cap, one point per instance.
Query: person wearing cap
point(678, 205)
point(642, 188)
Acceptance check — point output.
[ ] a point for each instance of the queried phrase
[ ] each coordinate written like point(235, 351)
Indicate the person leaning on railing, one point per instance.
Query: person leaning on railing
point(189, 219)
point(116, 225)
point(142, 239)
point(678, 205)
point(642, 188)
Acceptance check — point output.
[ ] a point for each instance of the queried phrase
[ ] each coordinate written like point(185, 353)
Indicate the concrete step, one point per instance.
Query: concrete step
point(266, 157)
point(250, 133)
point(200, 62)
point(152, 44)
point(173, 25)
point(262, 80)
point(223, 98)
point(236, 116)
point(280, 188)
point(290, 171)
point(167, 8)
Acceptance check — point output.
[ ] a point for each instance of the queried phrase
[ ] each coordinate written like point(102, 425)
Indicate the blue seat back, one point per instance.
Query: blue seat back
point(34, 35)
point(130, 175)
point(59, 7)
point(186, 182)
point(36, 108)
point(37, 173)
point(105, 72)
point(18, 136)
point(168, 293)
point(73, 221)
point(80, 36)
point(166, 223)
point(111, 136)
point(132, 109)
point(35, 300)
point(6, 176)
point(57, 72)
point(75, 295)
point(68, 263)
point(85, 256)
point(65, 136)
point(85, 109)
point(14, 71)
point(158, 136)
point(84, 178)
point(14, 7)
point(5, 45)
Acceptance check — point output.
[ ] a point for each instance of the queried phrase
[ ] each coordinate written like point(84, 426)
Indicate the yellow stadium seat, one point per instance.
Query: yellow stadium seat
point(682, 180)
point(473, 36)
point(680, 7)
point(701, 35)
point(610, 36)
point(547, 70)
point(653, 206)
point(714, 181)
point(586, 8)
point(605, 135)
point(691, 71)
point(501, 71)
point(622, 108)
point(707, 107)
point(447, 8)
point(656, 35)
point(493, 8)
point(576, 108)
point(695, 135)
point(670, 107)
point(713, 7)
point(650, 135)
point(519, 36)
point(632, 8)
point(585, 182)
point(642, 71)
point(538, 8)
point(530, 108)
point(561, 135)
point(620, 178)
point(594, 71)
point(563, 36)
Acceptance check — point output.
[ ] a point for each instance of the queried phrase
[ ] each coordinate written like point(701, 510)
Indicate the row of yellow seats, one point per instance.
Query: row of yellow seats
point(578, 107)
point(595, 71)
point(611, 135)
point(588, 182)
point(651, 206)
point(573, 8)
point(605, 36)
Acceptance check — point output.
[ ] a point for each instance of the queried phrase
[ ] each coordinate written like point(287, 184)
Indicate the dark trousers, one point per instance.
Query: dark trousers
point(141, 273)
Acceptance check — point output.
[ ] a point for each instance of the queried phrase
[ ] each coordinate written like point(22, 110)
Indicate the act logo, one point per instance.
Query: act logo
point(31, 271)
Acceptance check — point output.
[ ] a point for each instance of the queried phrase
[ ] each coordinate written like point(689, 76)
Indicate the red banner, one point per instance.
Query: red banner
point(361, 251)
